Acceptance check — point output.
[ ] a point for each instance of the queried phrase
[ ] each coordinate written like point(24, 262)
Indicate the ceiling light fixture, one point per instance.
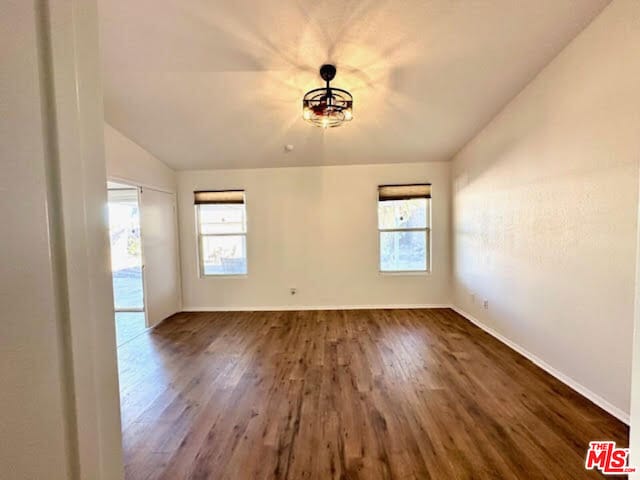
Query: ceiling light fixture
point(327, 107)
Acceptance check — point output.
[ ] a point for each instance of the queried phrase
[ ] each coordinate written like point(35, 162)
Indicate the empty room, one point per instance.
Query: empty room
point(330, 239)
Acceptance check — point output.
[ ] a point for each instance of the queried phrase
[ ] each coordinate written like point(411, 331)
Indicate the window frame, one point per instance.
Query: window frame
point(427, 233)
point(200, 245)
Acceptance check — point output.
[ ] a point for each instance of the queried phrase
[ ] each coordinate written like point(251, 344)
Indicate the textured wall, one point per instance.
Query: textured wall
point(545, 207)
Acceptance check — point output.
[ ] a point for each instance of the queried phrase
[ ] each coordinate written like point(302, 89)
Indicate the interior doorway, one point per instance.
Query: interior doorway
point(126, 261)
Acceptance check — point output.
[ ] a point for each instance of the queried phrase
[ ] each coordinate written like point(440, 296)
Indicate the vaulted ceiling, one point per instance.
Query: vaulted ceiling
point(218, 84)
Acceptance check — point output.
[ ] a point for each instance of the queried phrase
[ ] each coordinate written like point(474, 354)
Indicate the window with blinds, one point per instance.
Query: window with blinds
point(221, 220)
point(404, 227)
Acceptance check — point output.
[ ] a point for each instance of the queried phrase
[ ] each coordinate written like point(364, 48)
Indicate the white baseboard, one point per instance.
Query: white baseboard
point(581, 389)
point(312, 307)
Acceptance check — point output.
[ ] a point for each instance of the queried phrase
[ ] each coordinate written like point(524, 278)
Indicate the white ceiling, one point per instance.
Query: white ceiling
point(218, 84)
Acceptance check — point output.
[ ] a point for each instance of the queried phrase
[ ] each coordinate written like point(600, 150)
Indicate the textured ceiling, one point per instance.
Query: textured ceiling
point(218, 84)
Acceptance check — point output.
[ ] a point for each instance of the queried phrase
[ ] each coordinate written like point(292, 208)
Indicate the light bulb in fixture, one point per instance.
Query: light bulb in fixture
point(327, 107)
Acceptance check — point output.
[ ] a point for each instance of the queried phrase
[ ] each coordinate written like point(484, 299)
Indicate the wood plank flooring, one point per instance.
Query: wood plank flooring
point(367, 394)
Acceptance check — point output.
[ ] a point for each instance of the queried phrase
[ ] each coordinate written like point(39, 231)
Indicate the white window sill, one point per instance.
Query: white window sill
point(225, 276)
point(409, 273)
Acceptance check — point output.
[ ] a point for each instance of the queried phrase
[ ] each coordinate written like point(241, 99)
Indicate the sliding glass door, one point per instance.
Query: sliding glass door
point(126, 261)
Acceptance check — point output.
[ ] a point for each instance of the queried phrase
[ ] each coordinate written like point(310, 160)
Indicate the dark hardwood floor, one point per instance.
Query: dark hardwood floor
point(368, 394)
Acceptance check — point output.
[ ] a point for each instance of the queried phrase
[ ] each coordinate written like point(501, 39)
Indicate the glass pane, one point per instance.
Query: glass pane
point(224, 255)
point(403, 251)
point(129, 325)
point(126, 259)
point(222, 218)
point(412, 213)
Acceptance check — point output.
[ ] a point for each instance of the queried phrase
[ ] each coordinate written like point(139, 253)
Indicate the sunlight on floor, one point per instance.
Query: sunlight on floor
point(129, 325)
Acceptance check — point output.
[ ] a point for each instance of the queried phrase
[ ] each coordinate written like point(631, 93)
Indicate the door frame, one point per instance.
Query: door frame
point(70, 76)
point(140, 186)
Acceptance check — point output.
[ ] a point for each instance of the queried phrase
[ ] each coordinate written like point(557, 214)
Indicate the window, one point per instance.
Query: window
point(404, 227)
point(222, 232)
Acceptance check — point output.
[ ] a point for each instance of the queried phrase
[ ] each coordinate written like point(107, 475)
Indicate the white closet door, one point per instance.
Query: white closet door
point(159, 254)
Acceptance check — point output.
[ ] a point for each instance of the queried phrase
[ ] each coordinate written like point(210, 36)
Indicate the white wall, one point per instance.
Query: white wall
point(545, 211)
point(128, 161)
point(315, 229)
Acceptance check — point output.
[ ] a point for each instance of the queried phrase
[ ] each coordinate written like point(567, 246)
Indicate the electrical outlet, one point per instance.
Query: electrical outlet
point(485, 304)
point(293, 291)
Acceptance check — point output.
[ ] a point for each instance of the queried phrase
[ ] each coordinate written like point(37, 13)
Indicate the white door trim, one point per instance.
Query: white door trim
point(75, 123)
